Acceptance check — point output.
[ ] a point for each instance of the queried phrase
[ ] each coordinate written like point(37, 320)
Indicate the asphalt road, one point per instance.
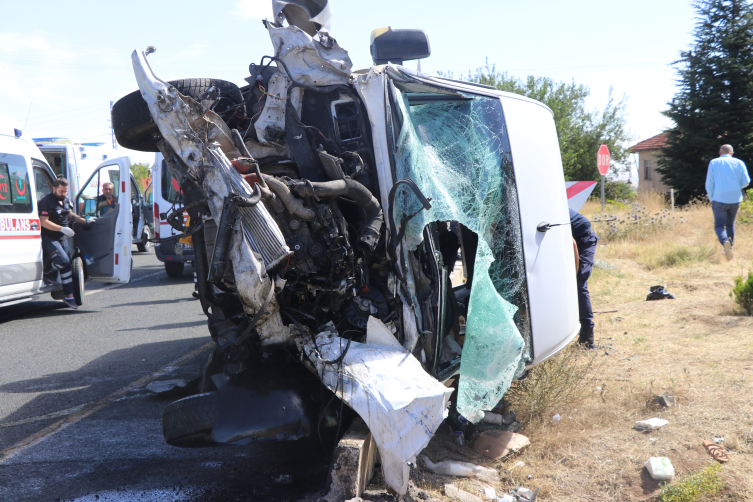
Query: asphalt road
point(76, 422)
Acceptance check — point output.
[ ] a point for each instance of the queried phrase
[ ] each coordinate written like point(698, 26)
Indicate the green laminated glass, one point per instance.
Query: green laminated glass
point(457, 152)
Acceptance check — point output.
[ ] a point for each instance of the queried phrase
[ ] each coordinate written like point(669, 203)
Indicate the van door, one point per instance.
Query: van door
point(108, 240)
point(136, 205)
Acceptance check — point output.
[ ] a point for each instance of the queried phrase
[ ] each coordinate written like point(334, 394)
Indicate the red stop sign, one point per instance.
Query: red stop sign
point(603, 159)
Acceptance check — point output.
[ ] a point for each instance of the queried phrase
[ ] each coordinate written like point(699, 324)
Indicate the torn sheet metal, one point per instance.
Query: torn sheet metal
point(402, 405)
point(313, 62)
point(271, 122)
point(202, 140)
point(309, 15)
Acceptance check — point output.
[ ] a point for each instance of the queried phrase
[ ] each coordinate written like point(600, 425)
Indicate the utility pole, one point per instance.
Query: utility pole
point(112, 130)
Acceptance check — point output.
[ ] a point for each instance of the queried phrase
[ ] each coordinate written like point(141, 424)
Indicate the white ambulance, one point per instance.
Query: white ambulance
point(25, 178)
point(77, 161)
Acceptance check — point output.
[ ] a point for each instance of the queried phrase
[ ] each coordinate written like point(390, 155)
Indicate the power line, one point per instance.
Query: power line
point(63, 119)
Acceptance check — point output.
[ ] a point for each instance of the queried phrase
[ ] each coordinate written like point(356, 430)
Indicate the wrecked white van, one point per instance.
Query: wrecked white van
point(328, 210)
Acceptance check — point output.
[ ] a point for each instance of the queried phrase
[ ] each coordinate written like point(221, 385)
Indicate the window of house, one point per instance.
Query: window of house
point(648, 169)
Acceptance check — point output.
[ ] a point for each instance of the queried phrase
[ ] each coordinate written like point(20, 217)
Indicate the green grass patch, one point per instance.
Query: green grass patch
point(692, 488)
point(680, 255)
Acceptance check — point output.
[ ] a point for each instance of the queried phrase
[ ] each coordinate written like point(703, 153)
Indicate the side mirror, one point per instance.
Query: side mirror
point(396, 46)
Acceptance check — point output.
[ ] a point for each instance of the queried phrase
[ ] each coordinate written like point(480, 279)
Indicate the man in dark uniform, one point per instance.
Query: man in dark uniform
point(55, 215)
point(585, 244)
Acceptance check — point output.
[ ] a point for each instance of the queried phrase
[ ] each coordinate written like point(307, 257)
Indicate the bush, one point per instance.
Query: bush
point(559, 381)
point(693, 487)
point(745, 213)
point(743, 293)
point(615, 191)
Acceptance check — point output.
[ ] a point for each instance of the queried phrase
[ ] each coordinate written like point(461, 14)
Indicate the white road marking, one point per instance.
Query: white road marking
point(91, 408)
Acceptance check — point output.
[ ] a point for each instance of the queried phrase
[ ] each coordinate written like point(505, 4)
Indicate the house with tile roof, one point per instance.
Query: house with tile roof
point(648, 151)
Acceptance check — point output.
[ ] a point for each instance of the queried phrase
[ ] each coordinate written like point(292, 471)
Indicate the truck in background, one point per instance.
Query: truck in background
point(165, 192)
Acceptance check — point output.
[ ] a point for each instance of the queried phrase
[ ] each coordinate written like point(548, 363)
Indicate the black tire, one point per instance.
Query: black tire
point(174, 269)
point(142, 246)
point(133, 124)
point(189, 421)
point(79, 281)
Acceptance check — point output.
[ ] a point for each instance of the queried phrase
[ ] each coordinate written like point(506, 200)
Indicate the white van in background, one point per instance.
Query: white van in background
point(25, 178)
point(77, 161)
point(166, 196)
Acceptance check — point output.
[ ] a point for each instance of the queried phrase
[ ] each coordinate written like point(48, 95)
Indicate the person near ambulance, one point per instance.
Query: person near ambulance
point(107, 201)
point(55, 215)
point(584, 247)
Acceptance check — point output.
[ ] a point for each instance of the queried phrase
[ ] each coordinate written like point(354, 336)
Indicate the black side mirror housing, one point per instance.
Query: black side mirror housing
point(397, 46)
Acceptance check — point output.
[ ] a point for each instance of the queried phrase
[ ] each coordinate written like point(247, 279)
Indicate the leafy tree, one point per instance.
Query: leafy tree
point(580, 131)
point(714, 105)
point(142, 173)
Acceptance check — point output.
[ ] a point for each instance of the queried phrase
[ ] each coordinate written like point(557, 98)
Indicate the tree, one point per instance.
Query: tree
point(142, 174)
point(580, 131)
point(714, 105)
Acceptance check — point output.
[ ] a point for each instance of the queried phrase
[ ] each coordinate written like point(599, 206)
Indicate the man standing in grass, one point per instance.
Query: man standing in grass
point(725, 180)
point(584, 244)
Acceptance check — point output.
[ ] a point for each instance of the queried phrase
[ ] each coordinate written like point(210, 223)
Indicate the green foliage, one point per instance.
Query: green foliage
point(745, 213)
point(691, 488)
point(580, 131)
point(743, 293)
point(141, 172)
point(714, 105)
point(615, 191)
point(562, 380)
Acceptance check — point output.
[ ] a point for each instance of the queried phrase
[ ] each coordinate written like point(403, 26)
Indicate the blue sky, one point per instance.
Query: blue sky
point(63, 62)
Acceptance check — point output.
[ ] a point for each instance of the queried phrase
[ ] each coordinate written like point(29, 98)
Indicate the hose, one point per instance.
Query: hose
point(372, 226)
point(294, 204)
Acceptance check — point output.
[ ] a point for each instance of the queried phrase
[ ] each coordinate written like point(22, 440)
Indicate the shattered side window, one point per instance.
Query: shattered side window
point(457, 151)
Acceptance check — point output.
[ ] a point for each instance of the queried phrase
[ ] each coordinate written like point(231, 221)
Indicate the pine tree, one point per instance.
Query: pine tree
point(714, 105)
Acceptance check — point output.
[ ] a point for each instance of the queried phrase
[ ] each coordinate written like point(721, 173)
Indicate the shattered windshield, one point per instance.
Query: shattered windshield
point(455, 148)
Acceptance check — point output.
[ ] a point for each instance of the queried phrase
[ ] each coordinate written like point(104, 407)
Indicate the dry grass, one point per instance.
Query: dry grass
point(698, 347)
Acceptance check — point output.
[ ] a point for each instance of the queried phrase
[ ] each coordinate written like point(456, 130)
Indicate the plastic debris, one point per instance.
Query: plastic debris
point(401, 404)
point(664, 400)
point(490, 493)
point(660, 468)
point(651, 424)
point(718, 439)
point(491, 418)
point(459, 438)
point(523, 492)
point(658, 293)
point(165, 386)
point(456, 493)
point(556, 418)
point(506, 498)
point(461, 469)
point(497, 444)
